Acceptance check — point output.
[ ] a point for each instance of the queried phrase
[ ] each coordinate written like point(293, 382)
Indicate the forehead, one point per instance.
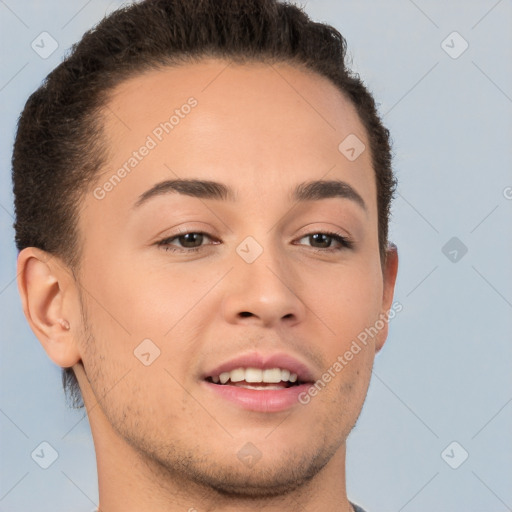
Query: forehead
point(255, 124)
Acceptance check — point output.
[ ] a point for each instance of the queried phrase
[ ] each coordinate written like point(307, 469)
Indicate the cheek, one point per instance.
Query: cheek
point(132, 299)
point(348, 300)
point(142, 317)
point(348, 310)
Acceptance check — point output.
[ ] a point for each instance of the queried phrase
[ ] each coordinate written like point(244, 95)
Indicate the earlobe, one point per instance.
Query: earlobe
point(45, 287)
point(389, 273)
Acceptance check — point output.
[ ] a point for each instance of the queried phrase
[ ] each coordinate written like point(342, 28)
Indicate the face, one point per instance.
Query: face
point(182, 282)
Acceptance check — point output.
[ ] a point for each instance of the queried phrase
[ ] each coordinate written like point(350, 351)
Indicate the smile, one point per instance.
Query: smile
point(256, 378)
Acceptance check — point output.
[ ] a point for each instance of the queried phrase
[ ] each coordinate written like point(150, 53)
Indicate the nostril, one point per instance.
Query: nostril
point(245, 314)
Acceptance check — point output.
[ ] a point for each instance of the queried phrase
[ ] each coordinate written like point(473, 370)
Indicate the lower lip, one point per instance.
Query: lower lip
point(271, 400)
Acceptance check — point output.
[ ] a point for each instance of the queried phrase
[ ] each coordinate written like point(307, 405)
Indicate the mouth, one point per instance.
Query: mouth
point(255, 384)
point(257, 378)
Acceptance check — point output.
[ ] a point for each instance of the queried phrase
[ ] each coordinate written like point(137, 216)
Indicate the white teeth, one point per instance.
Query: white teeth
point(255, 375)
point(237, 375)
point(272, 375)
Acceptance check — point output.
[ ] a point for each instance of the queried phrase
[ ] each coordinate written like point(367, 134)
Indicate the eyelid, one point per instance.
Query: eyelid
point(329, 229)
point(174, 231)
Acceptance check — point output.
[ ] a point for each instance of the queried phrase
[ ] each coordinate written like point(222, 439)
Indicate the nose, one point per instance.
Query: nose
point(265, 292)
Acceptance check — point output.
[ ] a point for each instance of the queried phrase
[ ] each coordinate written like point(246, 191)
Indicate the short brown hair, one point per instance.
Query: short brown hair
point(59, 147)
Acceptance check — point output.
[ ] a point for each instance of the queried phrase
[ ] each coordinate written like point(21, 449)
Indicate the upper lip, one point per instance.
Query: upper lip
point(264, 361)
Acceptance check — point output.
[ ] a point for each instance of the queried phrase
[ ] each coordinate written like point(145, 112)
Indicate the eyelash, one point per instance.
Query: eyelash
point(344, 242)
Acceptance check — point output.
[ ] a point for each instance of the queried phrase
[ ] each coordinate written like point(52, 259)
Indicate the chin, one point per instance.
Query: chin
point(265, 479)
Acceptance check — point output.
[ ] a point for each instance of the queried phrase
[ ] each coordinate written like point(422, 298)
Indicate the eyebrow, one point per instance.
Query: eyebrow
point(205, 189)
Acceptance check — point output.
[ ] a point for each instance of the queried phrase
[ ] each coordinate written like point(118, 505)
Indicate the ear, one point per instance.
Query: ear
point(50, 304)
point(389, 273)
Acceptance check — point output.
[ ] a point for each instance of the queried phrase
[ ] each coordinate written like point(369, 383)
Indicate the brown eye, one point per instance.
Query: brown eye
point(191, 239)
point(322, 239)
point(185, 242)
point(327, 241)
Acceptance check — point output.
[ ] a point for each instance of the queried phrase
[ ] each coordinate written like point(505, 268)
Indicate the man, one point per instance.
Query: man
point(202, 195)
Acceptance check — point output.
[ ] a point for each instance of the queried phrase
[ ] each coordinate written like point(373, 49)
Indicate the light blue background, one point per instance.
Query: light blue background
point(445, 373)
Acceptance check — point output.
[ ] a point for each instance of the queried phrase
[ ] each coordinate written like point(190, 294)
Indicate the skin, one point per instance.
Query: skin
point(163, 441)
